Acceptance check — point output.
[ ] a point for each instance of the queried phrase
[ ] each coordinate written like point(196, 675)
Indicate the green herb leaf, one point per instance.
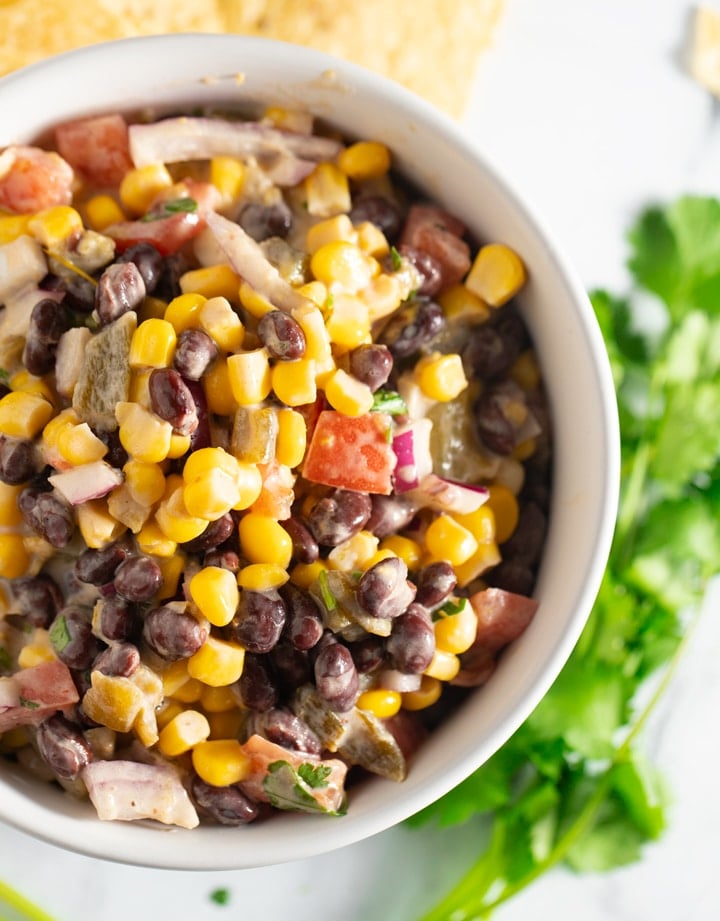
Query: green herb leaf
point(29, 704)
point(396, 259)
point(314, 775)
point(174, 206)
point(60, 633)
point(389, 401)
point(288, 789)
point(328, 598)
point(220, 896)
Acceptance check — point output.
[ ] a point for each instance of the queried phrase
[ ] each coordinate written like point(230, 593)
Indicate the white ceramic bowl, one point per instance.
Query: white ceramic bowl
point(431, 149)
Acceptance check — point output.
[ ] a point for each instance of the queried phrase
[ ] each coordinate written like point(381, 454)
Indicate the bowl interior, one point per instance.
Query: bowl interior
point(430, 149)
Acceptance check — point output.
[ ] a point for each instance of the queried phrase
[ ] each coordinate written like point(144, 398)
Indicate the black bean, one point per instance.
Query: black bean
point(116, 455)
point(281, 335)
point(225, 559)
point(411, 643)
point(226, 805)
point(202, 436)
point(121, 288)
point(495, 429)
point(120, 659)
point(512, 576)
point(138, 578)
point(305, 548)
point(194, 353)
point(63, 747)
point(261, 221)
point(216, 533)
point(37, 598)
point(284, 728)
point(257, 686)
point(259, 621)
point(435, 583)
point(49, 319)
point(4, 390)
point(148, 261)
point(114, 619)
point(528, 539)
point(78, 292)
point(427, 266)
point(72, 637)
point(492, 348)
point(304, 627)
point(384, 590)
point(368, 654)
point(412, 327)
point(379, 210)
point(371, 364)
point(48, 515)
point(171, 399)
point(173, 634)
point(336, 677)
point(389, 515)
point(17, 460)
point(291, 666)
point(97, 567)
point(338, 516)
point(38, 357)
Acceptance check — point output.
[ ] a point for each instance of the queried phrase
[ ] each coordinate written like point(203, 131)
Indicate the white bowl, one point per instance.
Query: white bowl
point(431, 149)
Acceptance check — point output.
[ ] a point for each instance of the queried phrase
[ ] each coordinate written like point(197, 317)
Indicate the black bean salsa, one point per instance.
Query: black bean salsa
point(274, 464)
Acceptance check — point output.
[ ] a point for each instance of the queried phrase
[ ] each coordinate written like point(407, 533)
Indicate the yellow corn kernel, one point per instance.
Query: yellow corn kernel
point(249, 376)
point(97, 526)
point(444, 665)
point(145, 481)
point(382, 296)
point(205, 460)
point(348, 323)
point(262, 577)
point(354, 553)
point(78, 444)
point(179, 445)
point(480, 523)
point(126, 510)
point(14, 558)
point(167, 711)
point(228, 724)
point(372, 240)
point(221, 762)
point(153, 344)
point(327, 191)
point(211, 281)
point(456, 632)
point(364, 160)
point(221, 323)
point(486, 556)
point(151, 540)
point(347, 394)
point(56, 425)
point(304, 574)
point(212, 495)
point(151, 308)
point(145, 436)
point(441, 377)
point(13, 226)
point(378, 556)
point(101, 211)
point(139, 187)
point(339, 227)
point(37, 650)
point(214, 590)
point(23, 414)
point(445, 539)
point(113, 701)
point(297, 120)
point(218, 700)
point(504, 505)
point(249, 483)
point(174, 676)
point(172, 568)
point(218, 663)
point(218, 393)
point(255, 304)
point(10, 514)
point(427, 694)
point(525, 371)
point(380, 702)
point(291, 438)
point(496, 275)
point(264, 540)
point(183, 732)
point(54, 225)
point(140, 387)
point(172, 516)
point(317, 340)
point(189, 692)
point(460, 303)
point(343, 266)
point(314, 291)
point(183, 311)
point(28, 383)
point(227, 174)
point(409, 551)
point(293, 382)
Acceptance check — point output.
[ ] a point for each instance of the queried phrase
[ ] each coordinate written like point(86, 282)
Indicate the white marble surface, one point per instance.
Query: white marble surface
point(587, 107)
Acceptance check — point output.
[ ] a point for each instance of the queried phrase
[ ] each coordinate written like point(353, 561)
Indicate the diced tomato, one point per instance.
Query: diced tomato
point(97, 148)
point(32, 179)
point(351, 452)
point(277, 494)
point(438, 233)
point(167, 234)
point(41, 691)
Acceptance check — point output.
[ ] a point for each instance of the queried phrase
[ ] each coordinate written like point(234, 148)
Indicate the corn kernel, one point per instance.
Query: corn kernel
point(52, 226)
point(101, 211)
point(167, 711)
point(10, 514)
point(354, 553)
point(113, 701)
point(380, 702)
point(78, 444)
point(327, 191)
point(348, 323)
point(151, 540)
point(212, 281)
point(496, 275)
point(249, 483)
point(456, 632)
point(304, 574)
point(139, 187)
point(189, 692)
point(427, 694)
point(145, 481)
point(459, 303)
point(173, 676)
point(28, 383)
point(183, 311)
point(227, 174)
point(217, 663)
point(14, 558)
point(23, 414)
point(293, 382)
point(153, 344)
point(343, 266)
point(145, 436)
point(218, 393)
point(183, 732)
point(37, 650)
point(314, 291)
point(172, 568)
point(214, 590)
point(382, 296)
point(525, 370)
point(222, 324)
point(372, 240)
point(445, 539)
point(255, 304)
point(126, 510)
point(221, 762)
point(151, 308)
point(298, 120)
point(212, 495)
point(179, 445)
point(227, 724)
point(219, 700)
point(249, 376)
point(264, 540)
point(505, 509)
point(441, 377)
point(409, 551)
point(339, 227)
point(444, 665)
point(206, 460)
point(173, 517)
point(291, 438)
point(347, 394)
point(364, 160)
point(13, 226)
point(97, 526)
point(140, 387)
point(262, 577)
point(317, 339)
point(485, 557)
point(480, 523)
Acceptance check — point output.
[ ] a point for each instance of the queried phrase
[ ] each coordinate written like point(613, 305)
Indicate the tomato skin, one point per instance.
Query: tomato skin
point(97, 148)
point(32, 179)
point(351, 452)
point(438, 233)
point(167, 234)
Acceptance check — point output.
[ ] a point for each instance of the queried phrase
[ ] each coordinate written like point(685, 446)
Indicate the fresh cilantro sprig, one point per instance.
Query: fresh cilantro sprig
point(572, 785)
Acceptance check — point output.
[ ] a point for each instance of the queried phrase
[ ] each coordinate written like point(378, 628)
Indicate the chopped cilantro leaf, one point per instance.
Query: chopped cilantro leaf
point(396, 258)
point(314, 775)
point(29, 704)
point(220, 896)
point(287, 788)
point(389, 401)
point(174, 206)
point(328, 598)
point(60, 633)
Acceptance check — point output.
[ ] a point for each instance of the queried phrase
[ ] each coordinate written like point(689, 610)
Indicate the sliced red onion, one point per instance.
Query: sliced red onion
point(88, 481)
point(393, 680)
point(449, 496)
point(411, 444)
